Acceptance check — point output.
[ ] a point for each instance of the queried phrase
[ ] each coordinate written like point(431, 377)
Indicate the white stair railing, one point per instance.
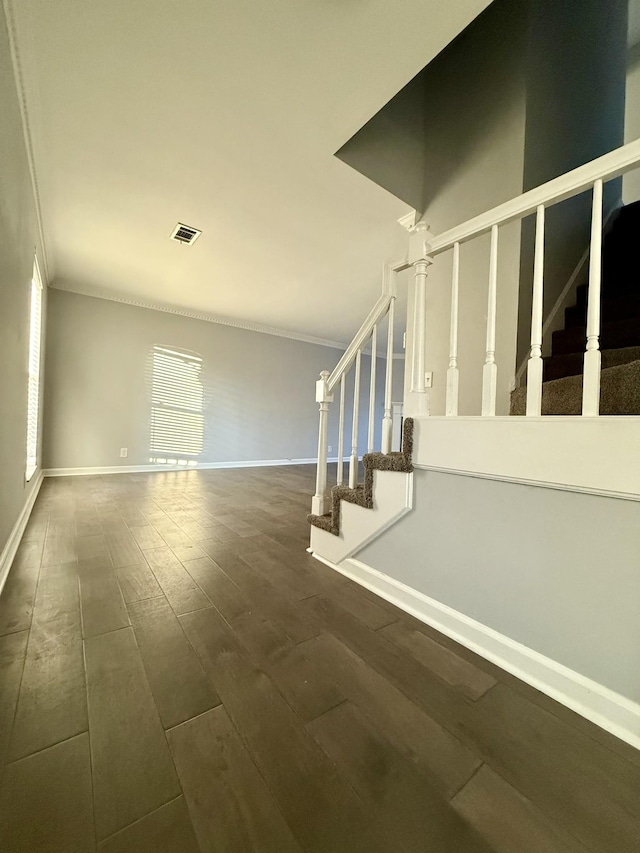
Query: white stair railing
point(490, 369)
point(534, 366)
point(424, 248)
point(366, 336)
point(387, 420)
point(353, 459)
point(453, 374)
point(340, 474)
point(372, 390)
point(592, 357)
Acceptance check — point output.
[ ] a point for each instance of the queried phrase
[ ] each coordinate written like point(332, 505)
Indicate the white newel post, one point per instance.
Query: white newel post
point(320, 501)
point(420, 260)
point(387, 421)
point(592, 356)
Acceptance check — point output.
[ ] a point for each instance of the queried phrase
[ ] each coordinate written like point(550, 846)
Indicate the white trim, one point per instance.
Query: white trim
point(27, 124)
point(409, 220)
point(604, 707)
point(158, 468)
point(523, 481)
point(592, 455)
point(86, 290)
point(9, 551)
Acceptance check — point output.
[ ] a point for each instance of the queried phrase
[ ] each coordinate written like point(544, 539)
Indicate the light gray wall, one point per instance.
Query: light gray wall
point(259, 389)
point(18, 239)
point(557, 571)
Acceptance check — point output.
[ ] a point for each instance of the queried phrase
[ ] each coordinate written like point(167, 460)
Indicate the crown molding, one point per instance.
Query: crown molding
point(409, 220)
point(85, 290)
point(22, 87)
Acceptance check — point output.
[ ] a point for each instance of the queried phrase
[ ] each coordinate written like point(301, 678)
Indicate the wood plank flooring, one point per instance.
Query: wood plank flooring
point(178, 674)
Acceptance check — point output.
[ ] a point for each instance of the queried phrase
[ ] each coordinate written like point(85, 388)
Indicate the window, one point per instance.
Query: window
point(177, 407)
point(33, 394)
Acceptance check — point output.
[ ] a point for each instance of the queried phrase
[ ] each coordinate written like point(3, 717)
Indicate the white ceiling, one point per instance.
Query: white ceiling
point(222, 114)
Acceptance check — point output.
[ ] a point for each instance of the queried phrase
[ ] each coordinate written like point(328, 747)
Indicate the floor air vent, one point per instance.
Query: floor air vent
point(185, 234)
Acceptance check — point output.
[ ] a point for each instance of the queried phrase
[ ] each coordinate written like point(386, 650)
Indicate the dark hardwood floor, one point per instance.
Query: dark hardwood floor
point(177, 674)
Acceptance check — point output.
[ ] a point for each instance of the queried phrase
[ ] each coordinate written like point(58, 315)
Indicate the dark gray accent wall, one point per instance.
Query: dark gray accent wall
point(576, 82)
point(18, 240)
point(418, 143)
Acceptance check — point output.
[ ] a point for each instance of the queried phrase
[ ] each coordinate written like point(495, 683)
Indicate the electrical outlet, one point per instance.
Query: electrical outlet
point(124, 452)
point(330, 448)
point(428, 379)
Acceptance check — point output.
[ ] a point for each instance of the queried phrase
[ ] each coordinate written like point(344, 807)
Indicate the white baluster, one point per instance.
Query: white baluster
point(387, 422)
point(534, 366)
point(453, 376)
point(340, 476)
point(490, 369)
point(592, 356)
point(320, 501)
point(420, 260)
point(353, 461)
point(372, 390)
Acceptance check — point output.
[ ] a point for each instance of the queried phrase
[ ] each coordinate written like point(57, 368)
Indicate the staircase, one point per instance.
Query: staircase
point(619, 339)
point(593, 370)
point(362, 494)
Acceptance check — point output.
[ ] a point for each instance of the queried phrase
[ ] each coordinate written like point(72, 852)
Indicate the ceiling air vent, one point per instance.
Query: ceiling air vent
point(185, 234)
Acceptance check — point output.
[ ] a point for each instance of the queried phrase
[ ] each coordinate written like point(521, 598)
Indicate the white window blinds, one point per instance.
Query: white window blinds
point(33, 393)
point(177, 405)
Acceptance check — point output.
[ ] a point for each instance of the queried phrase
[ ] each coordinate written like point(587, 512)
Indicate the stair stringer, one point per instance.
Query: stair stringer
point(392, 499)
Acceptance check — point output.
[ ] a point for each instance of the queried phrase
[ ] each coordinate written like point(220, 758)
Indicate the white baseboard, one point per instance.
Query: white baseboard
point(599, 704)
point(158, 468)
point(9, 551)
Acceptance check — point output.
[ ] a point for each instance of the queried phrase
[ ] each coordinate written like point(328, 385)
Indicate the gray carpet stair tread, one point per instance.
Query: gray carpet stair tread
point(619, 393)
point(362, 494)
point(613, 335)
point(559, 366)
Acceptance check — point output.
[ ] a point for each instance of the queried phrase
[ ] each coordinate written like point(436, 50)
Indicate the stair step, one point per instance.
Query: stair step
point(559, 366)
point(613, 287)
point(623, 333)
point(619, 393)
point(613, 309)
point(362, 494)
